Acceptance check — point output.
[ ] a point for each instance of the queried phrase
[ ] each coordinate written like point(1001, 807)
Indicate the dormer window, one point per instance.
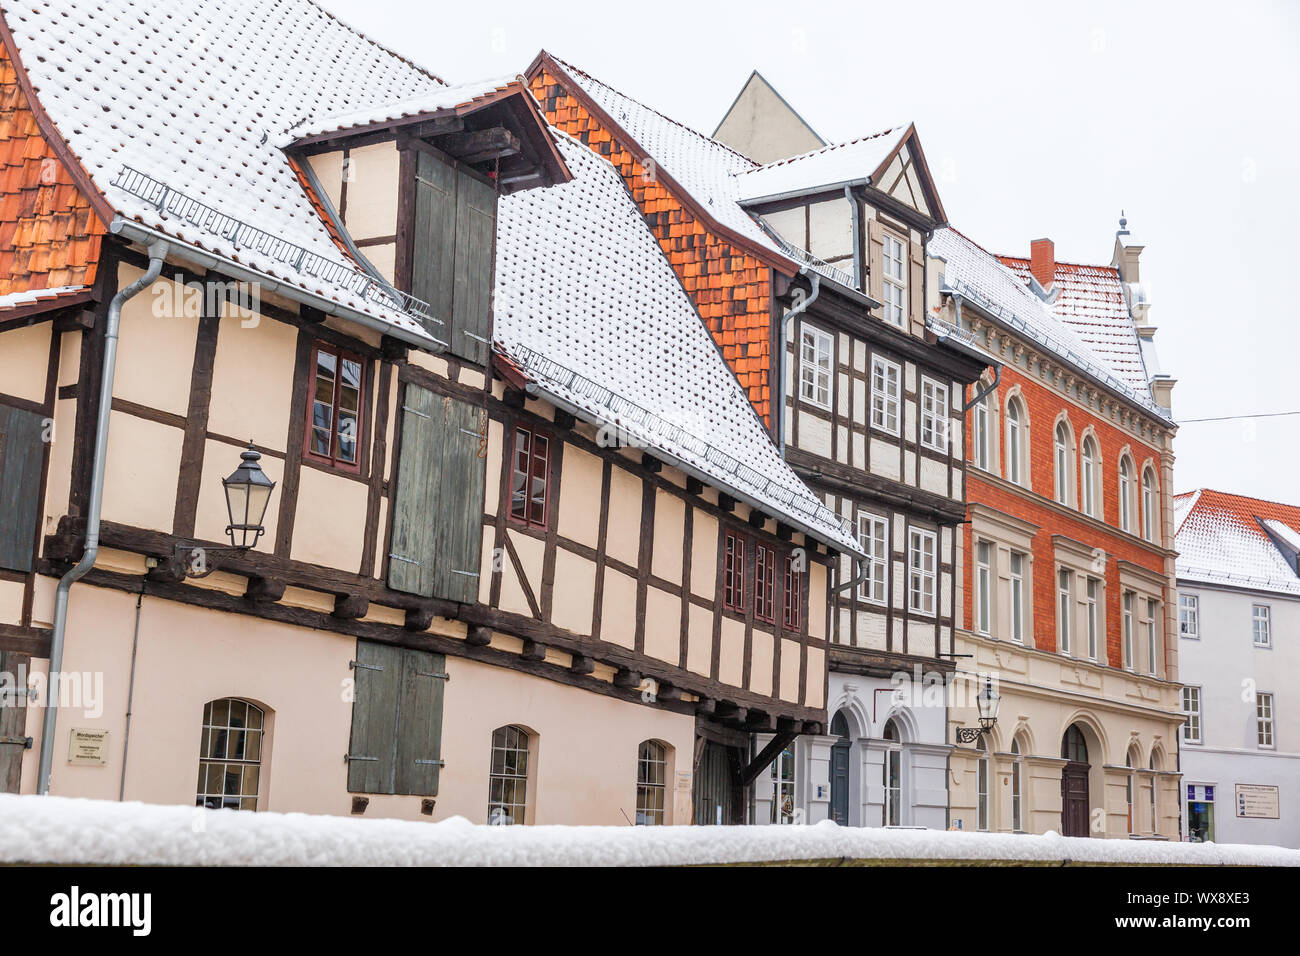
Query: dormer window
point(894, 291)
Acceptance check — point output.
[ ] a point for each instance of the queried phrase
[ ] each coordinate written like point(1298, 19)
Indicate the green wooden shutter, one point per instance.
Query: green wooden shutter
point(419, 723)
point(476, 205)
point(21, 455)
point(372, 752)
point(433, 256)
point(438, 503)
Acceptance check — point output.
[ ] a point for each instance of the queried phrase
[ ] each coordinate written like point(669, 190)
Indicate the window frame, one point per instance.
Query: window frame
point(1266, 619)
point(1092, 601)
point(765, 583)
point(1016, 583)
point(1064, 609)
point(882, 403)
point(1127, 648)
point(733, 570)
point(870, 582)
point(792, 594)
point(892, 796)
point(646, 786)
point(783, 785)
point(1015, 427)
point(984, 551)
point(1153, 645)
point(340, 354)
point(533, 436)
point(1265, 720)
point(1089, 469)
point(896, 283)
point(226, 732)
point(1190, 611)
point(983, 788)
point(937, 416)
point(1191, 694)
point(982, 458)
point(817, 336)
point(1148, 493)
point(1061, 460)
point(1017, 788)
point(1125, 494)
point(913, 536)
point(526, 736)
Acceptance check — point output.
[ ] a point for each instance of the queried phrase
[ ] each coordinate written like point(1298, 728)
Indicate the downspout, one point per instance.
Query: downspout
point(157, 252)
point(780, 360)
point(855, 218)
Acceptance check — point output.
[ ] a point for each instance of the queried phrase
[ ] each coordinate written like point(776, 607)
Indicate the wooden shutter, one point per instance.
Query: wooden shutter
point(372, 752)
point(438, 504)
point(419, 723)
point(433, 257)
point(452, 253)
point(916, 287)
point(875, 260)
point(21, 454)
point(13, 721)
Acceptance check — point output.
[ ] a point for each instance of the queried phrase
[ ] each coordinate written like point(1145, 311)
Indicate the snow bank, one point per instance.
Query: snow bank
point(64, 830)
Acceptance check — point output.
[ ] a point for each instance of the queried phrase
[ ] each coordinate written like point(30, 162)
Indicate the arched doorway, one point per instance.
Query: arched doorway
point(1074, 783)
point(840, 769)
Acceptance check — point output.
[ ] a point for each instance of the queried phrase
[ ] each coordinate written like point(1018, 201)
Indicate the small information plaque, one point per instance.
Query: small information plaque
point(1258, 800)
point(88, 746)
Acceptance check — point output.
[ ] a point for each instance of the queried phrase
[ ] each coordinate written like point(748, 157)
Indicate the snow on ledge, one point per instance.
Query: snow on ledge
point(72, 831)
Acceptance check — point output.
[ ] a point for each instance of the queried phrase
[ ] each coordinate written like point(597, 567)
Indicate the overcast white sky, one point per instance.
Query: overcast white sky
point(1038, 120)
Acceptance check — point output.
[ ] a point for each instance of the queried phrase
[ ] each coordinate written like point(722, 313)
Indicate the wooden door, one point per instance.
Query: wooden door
point(1074, 799)
point(840, 771)
point(13, 720)
point(717, 798)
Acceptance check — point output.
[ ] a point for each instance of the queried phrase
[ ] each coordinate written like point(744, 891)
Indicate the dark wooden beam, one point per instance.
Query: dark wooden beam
point(652, 464)
point(582, 664)
point(694, 486)
point(726, 502)
point(534, 651)
point(757, 519)
point(626, 677)
point(706, 706)
point(564, 420)
point(351, 607)
point(478, 145)
point(784, 531)
point(765, 758)
point(264, 589)
point(478, 636)
point(418, 618)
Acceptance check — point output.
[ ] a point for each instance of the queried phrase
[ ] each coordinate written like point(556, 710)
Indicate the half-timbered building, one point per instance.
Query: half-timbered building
point(810, 274)
point(530, 554)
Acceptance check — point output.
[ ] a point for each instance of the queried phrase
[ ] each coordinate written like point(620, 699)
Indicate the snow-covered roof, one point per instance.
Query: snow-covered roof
point(588, 306)
point(836, 166)
point(981, 277)
point(1091, 301)
point(1224, 539)
point(64, 830)
point(197, 100)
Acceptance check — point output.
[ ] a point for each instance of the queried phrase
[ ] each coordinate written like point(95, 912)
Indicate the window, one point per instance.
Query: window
point(651, 782)
point(783, 787)
point(765, 583)
point(982, 787)
point(1094, 586)
point(815, 372)
point(334, 423)
point(1155, 797)
point(1128, 629)
point(920, 571)
point(1089, 496)
point(1017, 788)
point(1264, 720)
point(508, 777)
point(1128, 790)
point(1189, 617)
point(230, 755)
point(1148, 505)
point(1192, 708)
point(1017, 597)
point(892, 812)
point(531, 478)
point(792, 611)
point(894, 266)
point(733, 573)
point(1261, 631)
point(934, 415)
point(885, 388)
point(1064, 604)
point(873, 535)
point(980, 433)
point(1125, 495)
point(1062, 450)
point(1153, 652)
point(983, 586)
point(1015, 438)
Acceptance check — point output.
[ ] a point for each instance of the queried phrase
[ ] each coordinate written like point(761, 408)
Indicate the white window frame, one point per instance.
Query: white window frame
point(893, 269)
point(1061, 456)
point(1148, 504)
point(1017, 788)
point(813, 369)
point(893, 760)
point(984, 586)
point(1089, 469)
point(983, 784)
point(1125, 494)
point(886, 394)
point(873, 535)
point(1092, 592)
point(921, 591)
point(1265, 713)
point(1261, 624)
point(1015, 441)
point(1064, 608)
point(1127, 600)
point(934, 415)
point(1153, 650)
point(1016, 575)
point(783, 787)
point(1189, 611)
point(1191, 700)
point(980, 438)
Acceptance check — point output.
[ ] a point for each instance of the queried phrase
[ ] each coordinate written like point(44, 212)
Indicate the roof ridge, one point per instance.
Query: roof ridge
point(645, 106)
point(825, 149)
point(1062, 262)
point(377, 45)
point(1251, 498)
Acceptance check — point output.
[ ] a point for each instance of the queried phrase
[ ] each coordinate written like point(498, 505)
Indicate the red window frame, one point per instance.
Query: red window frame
point(765, 583)
point(530, 462)
point(733, 572)
point(314, 427)
point(792, 613)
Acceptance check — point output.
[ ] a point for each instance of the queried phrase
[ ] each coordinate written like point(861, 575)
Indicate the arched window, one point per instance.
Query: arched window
point(651, 782)
point(892, 815)
point(1073, 746)
point(980, 438)
point(982, 774)
point(230, 754)
point(1089, 494)
point(1015, 440)
point(1125, 494)
point(1155, 795)
point(1148, 504)
point(783, 787)
point(1064, 467)
point(1128, 790)
point(508, 778)
point(1017, 787)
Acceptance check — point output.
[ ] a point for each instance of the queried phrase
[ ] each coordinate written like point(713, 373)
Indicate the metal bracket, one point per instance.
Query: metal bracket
point(433, 763)
point(433, 674)
point(353, 665)
point(24, 742)
point(347, 758)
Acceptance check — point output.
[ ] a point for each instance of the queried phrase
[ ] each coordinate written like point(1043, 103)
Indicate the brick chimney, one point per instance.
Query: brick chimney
point(1042, 262)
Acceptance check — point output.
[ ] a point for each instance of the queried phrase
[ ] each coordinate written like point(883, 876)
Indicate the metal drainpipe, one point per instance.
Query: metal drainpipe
point(780, 360)
point(157, 252)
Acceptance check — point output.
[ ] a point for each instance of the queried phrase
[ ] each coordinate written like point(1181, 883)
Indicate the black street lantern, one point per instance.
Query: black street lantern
point(248, 491)
point(986, 702)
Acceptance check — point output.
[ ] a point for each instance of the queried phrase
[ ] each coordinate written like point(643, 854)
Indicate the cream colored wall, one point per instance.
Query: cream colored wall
point(372, 191)
point(761, 126)
point(585, 771)
point(155, 348)
point(24, 360)
point(252, 376)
